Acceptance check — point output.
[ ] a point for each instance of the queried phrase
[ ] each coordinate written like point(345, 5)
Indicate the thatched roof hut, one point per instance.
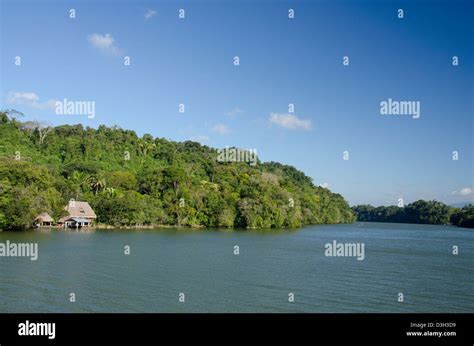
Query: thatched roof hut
point(80, 214)
point(44, 219)
point(80, 209)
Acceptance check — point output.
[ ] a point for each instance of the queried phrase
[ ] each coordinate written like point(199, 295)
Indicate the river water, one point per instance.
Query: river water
point(272, 267)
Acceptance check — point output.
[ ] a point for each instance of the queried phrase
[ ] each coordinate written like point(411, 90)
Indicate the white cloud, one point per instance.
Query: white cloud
point(466, 191)
point(325, 185)
point(289, 121)
point(104, 43)
point(29, 99)
point(234, 112)
point(149, 14)
point(221, 129)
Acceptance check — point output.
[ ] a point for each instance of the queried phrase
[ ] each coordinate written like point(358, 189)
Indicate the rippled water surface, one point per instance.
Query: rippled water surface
point(416, 260)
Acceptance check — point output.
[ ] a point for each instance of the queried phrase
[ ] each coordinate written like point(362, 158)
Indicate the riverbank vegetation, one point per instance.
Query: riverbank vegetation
point(130, 180)
point(425, 212)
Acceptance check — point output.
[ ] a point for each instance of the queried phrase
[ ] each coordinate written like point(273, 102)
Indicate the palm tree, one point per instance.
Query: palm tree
point(79, 180)
point(145, 146)
point(97, 183)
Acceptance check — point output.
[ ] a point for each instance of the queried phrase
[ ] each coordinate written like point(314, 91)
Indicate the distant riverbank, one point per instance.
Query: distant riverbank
point(419, 212)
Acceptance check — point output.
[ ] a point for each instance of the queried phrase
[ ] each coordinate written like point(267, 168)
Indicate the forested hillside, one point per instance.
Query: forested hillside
point(130, 180)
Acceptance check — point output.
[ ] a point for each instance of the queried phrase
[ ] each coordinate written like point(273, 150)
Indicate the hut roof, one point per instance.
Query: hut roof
point(80, 209)
point(44, 217)
point(64, 219)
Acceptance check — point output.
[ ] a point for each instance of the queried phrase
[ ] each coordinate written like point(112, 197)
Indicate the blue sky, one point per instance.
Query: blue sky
point(282, 61)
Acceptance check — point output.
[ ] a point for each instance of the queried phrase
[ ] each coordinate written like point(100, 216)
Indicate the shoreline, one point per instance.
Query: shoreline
point(159, 226)
point(163, 226)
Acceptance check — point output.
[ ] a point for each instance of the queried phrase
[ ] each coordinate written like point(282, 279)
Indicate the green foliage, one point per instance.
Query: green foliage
point(25, 191)
point(150, 181)
point(426, 212)
point(463, 217)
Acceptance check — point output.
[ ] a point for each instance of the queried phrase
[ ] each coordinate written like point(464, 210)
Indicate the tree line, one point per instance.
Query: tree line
point(134, 181)
point(425, 212)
